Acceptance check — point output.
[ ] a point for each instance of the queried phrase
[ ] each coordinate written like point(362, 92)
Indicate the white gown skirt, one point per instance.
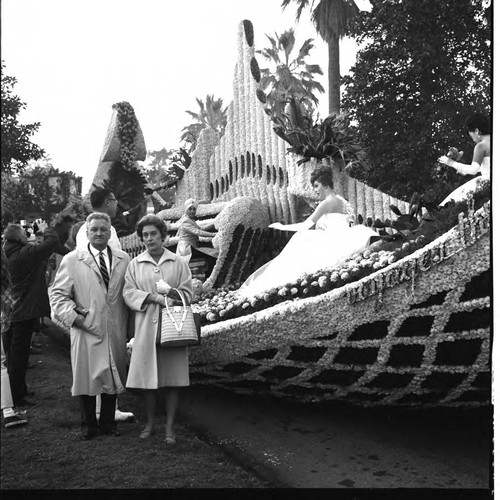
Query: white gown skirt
point(306, 252)
point(461, 192)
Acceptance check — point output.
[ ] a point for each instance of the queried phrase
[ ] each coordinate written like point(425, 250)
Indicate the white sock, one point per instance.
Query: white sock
point(8, 412)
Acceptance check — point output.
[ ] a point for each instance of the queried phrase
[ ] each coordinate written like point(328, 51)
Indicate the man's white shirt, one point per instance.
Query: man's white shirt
point(96, 253)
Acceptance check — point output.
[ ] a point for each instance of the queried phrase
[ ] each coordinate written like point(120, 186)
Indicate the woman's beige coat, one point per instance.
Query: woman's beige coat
point(140, 280)
point(98, 352)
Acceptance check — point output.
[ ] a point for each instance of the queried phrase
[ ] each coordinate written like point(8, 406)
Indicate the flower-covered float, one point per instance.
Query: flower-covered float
point(405, 324)
point(384, 328)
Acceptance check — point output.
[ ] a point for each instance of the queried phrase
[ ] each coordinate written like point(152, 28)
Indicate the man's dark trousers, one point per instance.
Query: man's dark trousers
point(107, 422)
point(17, 345)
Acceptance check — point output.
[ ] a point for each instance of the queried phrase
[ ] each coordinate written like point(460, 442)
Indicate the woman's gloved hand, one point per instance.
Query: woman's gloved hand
point(445, 160)
point(162, 287)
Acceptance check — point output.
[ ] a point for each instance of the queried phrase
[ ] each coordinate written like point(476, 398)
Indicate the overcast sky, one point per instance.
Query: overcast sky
point(75, 58)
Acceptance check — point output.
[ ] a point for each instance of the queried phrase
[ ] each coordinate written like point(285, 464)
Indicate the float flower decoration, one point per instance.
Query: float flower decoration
point(225, 303)
point(127, 133)
point(239, 216)
point(336, 306)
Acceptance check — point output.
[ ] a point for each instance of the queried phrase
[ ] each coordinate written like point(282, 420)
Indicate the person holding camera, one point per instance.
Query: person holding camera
point(24, 264)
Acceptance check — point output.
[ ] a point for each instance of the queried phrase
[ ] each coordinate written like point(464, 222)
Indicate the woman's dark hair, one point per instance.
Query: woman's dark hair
point(324, 175)
point(152, 220)
point(478, 121)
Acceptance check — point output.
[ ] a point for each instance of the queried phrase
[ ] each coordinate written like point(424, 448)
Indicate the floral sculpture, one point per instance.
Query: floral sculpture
point(407, 324)
point(124, 140)
point(240, 234)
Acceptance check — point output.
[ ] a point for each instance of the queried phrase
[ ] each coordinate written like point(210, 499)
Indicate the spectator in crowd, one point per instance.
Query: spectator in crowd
point(62, 225)
point(150, 280)
point(38, 236)
point(43, 272)
point(24, 263)
point(11, 417)
point(104, 201)
point(87, 297)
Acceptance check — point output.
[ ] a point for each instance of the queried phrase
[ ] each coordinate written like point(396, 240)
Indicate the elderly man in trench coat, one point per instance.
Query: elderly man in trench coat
point(87, 297)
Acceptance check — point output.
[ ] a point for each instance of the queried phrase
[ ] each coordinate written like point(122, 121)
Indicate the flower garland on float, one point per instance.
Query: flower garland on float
point(127, 132)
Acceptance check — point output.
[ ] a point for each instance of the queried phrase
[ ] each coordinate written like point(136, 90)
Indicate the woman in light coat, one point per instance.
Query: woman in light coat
point(150, 278)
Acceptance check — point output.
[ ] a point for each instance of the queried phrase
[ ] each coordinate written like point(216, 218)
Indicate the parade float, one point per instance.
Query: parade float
point(402, 326)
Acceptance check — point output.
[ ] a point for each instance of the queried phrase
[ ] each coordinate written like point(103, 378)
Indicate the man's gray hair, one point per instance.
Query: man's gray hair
point(97, 215)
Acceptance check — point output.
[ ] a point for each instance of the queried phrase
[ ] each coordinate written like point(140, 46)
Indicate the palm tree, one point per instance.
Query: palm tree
point(292, 77)
point(331, 19)
point(211, 114)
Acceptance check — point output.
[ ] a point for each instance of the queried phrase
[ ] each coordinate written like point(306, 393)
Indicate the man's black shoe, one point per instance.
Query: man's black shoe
point(89, 434)
point(109, 431)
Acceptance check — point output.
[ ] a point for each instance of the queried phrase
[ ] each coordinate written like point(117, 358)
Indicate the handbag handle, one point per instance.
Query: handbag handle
point(184, 303)
point(176, 326)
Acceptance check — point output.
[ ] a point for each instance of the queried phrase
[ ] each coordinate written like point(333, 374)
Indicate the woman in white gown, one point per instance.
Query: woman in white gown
point(331, 243)
point(478, 127)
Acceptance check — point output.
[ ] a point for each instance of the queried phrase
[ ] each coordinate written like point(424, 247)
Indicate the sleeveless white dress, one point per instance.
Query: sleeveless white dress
point(327, 246)
point(461, 192)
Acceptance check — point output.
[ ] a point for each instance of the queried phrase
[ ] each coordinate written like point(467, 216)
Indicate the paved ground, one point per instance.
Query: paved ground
point(315, 447)
point(310, 446)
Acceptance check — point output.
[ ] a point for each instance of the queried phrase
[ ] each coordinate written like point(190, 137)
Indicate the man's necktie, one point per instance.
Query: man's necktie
point(104, 269)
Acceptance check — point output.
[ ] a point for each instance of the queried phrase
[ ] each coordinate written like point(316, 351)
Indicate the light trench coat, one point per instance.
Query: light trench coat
point(140, 280)
point(98, 351)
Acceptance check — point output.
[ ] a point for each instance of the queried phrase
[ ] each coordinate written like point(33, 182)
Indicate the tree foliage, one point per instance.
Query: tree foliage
point(17, 148)
point(31, 192)
point(331, 18)
point(211, 113)
point(157, 163)
point(423, 67)
point(166, 167)
point(289, 75)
